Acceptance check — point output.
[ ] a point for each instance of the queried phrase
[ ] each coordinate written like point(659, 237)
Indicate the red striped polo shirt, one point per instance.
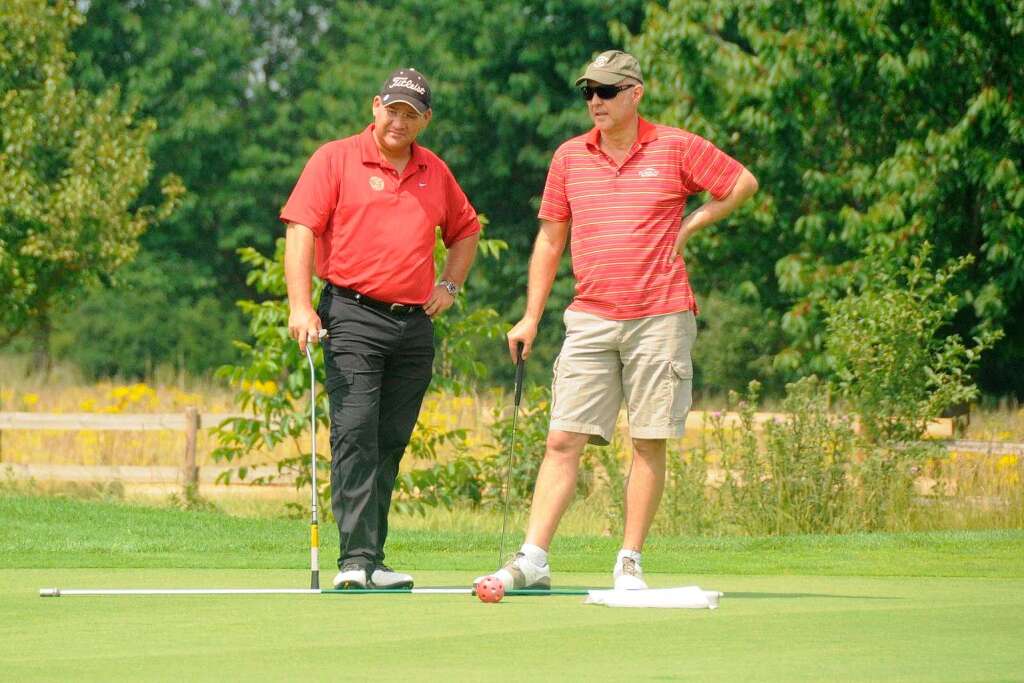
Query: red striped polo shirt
point(625, 219)
point(375, 227)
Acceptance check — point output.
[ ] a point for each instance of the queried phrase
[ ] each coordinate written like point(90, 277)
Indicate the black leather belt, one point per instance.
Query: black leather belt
point(363, 300)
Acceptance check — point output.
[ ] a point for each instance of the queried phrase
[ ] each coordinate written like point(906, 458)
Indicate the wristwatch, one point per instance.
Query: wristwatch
point(452, 288)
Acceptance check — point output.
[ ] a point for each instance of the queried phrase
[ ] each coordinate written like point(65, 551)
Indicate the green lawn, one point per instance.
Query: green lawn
point(914, 607)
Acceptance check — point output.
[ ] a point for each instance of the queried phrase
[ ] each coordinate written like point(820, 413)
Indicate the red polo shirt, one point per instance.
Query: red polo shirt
point(375, 228)
point(625, 218)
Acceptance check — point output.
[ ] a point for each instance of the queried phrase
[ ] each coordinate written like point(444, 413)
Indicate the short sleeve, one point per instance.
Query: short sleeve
point(315, 194)
point(460, 219)
point(705, 168)
point(554, 204)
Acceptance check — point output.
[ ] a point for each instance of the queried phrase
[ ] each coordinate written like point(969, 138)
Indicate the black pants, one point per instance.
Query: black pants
point(378, 368)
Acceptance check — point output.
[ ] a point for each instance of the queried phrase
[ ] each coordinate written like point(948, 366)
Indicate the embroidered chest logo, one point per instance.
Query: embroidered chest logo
point(376, 183)
point(649, 173)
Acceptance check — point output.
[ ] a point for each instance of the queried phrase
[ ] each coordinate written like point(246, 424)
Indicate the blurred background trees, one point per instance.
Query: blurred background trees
point(872, 129)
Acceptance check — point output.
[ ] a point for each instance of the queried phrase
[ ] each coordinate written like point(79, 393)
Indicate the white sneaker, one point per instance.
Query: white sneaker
point(351, 576)
point(520, 573)
point(628, 575)
point(385, 577)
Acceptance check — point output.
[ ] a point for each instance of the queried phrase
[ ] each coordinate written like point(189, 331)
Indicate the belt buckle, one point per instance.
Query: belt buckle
point(397, 308)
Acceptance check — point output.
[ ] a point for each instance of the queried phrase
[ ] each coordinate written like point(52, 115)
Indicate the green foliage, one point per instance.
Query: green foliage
point(148, 319)
point(188, 67)
point(798, 477)
point(869, 125)
point(738, 339)
point(896, 362)
point(72, 168)
point(481, 480)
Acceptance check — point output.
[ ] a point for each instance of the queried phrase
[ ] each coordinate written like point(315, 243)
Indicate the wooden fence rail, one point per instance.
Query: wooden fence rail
point(190, 421)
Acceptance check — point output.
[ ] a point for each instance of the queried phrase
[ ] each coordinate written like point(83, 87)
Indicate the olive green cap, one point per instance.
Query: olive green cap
point(610, 67)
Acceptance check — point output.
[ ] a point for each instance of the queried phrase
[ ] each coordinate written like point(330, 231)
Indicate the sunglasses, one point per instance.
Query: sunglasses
point(605, 92)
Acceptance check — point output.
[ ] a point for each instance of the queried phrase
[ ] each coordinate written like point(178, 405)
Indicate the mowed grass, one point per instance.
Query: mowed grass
point(915, 607)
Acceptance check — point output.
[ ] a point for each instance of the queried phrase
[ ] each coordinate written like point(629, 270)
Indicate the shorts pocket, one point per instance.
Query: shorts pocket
point(681, 380)
point(554, 380)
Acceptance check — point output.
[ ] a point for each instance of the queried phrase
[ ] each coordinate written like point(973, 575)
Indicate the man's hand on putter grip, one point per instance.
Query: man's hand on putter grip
point(524, 332)
point(305, 326)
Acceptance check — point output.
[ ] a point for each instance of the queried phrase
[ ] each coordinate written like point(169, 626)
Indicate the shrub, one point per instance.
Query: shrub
point(896, 363)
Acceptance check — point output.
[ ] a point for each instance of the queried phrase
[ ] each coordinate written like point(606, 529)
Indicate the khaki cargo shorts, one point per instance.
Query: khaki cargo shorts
point(644, 361)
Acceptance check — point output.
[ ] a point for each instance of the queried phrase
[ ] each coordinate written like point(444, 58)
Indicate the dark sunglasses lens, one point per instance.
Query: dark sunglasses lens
point(605, 92)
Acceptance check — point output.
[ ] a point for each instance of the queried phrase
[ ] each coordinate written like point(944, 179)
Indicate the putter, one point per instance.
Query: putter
point(314, 526)
point(520, 368)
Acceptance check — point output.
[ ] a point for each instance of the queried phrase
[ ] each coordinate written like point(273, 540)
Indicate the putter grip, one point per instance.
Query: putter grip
point(520, 369)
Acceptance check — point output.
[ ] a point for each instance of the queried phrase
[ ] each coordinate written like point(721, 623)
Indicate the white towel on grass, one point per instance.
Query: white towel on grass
point(686, 597)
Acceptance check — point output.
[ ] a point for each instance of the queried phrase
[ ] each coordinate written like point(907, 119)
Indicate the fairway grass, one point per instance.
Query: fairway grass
point(905, 607)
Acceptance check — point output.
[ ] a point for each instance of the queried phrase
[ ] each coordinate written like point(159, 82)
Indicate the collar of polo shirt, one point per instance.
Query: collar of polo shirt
point(370, 153)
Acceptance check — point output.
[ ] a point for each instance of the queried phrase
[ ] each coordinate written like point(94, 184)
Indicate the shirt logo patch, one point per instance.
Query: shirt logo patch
point(649, 173)
point(376, 183)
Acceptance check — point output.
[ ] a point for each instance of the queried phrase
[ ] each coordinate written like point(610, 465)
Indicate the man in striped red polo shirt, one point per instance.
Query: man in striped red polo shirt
point(622, 188)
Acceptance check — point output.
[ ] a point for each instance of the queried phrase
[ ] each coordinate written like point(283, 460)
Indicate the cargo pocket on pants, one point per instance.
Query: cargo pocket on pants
point(339, 380)
point(681, 378)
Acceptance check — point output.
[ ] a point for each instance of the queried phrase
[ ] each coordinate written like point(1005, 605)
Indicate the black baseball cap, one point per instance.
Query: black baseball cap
point(409, 86)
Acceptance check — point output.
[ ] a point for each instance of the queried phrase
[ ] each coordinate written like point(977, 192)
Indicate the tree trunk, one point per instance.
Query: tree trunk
point(41, 359)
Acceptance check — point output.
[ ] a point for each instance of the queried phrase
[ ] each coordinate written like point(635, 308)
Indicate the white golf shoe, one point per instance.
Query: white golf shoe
point(385, 577)
point(520, 574)
point(351, 576)
point(628, 575)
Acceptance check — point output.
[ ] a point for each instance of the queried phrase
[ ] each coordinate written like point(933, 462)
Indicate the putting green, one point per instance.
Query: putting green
point(791, 628)
point(934, 606)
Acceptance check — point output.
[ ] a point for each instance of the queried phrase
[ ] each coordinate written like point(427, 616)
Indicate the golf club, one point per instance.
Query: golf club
point(314, 528)
point(520, 368)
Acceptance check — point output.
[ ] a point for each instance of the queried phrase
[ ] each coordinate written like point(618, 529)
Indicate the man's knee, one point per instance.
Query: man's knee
point(650, 449)
point(565, 445)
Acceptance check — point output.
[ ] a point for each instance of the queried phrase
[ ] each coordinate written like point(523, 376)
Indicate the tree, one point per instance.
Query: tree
point(187, 66)
point(870, 126)
point(71, 169)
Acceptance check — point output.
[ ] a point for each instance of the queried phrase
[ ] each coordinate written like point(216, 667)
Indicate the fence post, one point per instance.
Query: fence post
point(189, 471)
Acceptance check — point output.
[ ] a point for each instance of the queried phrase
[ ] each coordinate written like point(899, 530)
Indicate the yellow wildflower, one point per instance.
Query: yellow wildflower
point(1006, 462)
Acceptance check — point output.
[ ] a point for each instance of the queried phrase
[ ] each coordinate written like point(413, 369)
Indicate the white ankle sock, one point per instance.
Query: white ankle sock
point(535, 554)
point(635, 555)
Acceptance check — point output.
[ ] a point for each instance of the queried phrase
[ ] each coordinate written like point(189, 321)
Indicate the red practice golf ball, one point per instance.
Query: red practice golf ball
point(490, 589)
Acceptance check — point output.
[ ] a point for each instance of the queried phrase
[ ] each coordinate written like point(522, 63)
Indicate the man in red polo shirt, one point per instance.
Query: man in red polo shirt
point(629, 330)
point(365, 209)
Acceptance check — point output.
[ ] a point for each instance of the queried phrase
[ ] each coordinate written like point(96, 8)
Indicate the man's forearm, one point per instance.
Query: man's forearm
point(717, 209)
point(547, 253)
point(298, 266)
point(460, 258)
